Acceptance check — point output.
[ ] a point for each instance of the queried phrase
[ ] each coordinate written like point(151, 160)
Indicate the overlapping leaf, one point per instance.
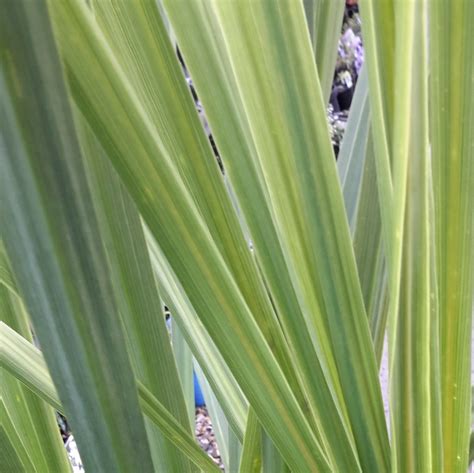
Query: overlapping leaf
point(451, 49)
point(26, 363)
point(51, 234)
point(110, 105)
point(280, 275)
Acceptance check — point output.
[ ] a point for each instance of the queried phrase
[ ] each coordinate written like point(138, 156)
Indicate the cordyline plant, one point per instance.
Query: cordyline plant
point(283, 275)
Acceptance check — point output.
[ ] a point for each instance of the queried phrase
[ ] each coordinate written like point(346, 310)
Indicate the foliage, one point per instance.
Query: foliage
point(284, 275)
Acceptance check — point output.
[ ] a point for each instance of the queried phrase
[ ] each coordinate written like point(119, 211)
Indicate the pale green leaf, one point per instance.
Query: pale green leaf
point(15, 458)
point(357, 172)
point(235, 450)
point(221, 380)
point(268, 47)
point(378, 30)
point(413, 419)
point(202, 43)
point(203, 39)
point(136, 35)
point(451, 49)
point(108, 102)
point(251, 457)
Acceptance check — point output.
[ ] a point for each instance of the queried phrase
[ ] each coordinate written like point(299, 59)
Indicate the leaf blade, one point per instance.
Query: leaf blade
point(26, 363)
point(452, 121)
point(51, 234)
point(177, 224)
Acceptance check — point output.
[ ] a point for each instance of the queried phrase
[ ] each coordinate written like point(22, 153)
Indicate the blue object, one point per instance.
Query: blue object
point(198, 397)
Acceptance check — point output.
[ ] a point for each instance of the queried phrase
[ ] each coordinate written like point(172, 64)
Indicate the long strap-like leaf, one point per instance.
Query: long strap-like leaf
point(251, 458)
point(268, 48)
point(414, 409)
point(216, 84)
point(108, 102)
point(51, 234)
point(33, 419)
point(204, 349)
point(15, 457)
point(136, 35)
point(25, 362)
point(357, 171)
point(451, 48)
point(147, 336)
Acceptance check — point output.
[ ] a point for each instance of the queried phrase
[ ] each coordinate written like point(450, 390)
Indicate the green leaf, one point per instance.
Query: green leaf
point(324, 18)
point(357, 172)
point(147, 336)
point(251, 457)
point(220, 378)
point(281, 272)
point(174, 431)
point(451, 49)
point(107, 100)
point(34, 421)
point(15, 457)
point(471, 448)
point(235, 450)
point(266, 58)
point(413, 410)
point(26, 363)
point(271, 463)
point(6, 275)
point(56, 253)
point(355, 149)
point(370, 254)
point(136, 35)
point(378, 30)
point(216, 84)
